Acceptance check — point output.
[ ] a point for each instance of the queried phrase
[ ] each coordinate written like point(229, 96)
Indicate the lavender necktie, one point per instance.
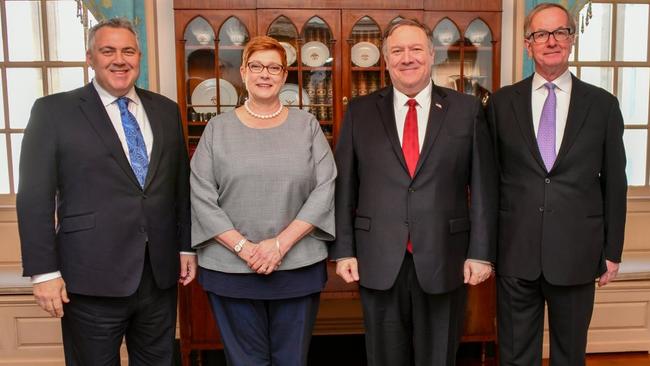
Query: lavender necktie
point(546, 131)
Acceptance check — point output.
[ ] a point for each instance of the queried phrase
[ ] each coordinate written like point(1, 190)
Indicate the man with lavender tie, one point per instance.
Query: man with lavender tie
point(562, 201)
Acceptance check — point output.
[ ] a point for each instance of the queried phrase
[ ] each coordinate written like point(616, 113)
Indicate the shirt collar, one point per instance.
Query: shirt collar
point(424, 96)
point(562, 82)
point(108, 99)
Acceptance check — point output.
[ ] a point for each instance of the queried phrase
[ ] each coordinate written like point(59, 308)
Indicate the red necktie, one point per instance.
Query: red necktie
point(411, 145)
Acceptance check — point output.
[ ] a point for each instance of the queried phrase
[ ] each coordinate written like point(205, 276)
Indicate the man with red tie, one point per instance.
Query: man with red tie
point(409, 156)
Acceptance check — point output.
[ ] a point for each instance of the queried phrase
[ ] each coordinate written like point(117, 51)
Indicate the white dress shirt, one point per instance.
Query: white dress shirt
point(563, 97)
point(401, 108)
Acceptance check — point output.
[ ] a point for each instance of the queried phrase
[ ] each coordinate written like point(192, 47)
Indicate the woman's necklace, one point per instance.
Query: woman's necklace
point(262, 116)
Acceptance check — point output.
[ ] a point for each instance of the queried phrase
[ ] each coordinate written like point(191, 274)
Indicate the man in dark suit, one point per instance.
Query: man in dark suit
point(108, 161)
point(408, 158)
point(561, 162)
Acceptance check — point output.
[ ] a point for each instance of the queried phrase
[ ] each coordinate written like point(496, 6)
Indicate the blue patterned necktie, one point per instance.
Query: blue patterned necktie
point(134, 140)
point(546, 130)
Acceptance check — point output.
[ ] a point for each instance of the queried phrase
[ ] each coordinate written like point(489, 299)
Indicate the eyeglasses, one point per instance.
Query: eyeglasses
point(256, 67)
point(561, 34)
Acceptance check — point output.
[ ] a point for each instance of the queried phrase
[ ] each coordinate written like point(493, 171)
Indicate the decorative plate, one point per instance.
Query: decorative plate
point(206, 94)
point(314, 54)
point(289, 96)
point(364, 54)
point(291, 52)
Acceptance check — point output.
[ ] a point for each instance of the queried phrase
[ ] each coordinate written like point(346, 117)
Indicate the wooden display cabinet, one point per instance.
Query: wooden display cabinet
point(335, 54)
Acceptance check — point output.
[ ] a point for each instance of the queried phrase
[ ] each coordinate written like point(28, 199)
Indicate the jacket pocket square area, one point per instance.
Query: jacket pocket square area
point(459, 225)
point(362, 223)
point(77, 223)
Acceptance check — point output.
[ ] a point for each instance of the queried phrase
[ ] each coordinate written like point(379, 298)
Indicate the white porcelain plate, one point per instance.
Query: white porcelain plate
point(314, 54)
point(289, 96)
point(364, 54)
point(206, 94)
point(291, 52)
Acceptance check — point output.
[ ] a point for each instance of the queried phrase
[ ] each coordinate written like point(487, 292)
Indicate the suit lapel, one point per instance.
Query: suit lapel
point(578, 108)
point(387, 115)
point(523, 112)
point(95, 112)
point(155, 121)
point(437, 113)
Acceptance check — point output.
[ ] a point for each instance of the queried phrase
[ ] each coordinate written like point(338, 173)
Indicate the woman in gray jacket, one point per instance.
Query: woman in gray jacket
point(262, 189)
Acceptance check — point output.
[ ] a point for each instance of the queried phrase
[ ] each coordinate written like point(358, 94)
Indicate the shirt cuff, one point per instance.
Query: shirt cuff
point(340, 259)
point(45, 277)
point(189, 253)
point(480, 261)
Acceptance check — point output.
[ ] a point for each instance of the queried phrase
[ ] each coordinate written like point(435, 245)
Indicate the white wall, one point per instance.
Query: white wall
point(166, 48)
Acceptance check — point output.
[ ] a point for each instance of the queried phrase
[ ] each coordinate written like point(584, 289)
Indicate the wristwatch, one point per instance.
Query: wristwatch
point(239, 246)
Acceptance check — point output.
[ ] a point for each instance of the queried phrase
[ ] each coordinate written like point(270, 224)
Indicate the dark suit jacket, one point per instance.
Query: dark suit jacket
point(378, 205)
point(565, 222)
point(72, 161)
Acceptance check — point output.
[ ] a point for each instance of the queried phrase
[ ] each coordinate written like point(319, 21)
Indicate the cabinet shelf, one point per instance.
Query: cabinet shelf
point(370, 68)
point(310, 68)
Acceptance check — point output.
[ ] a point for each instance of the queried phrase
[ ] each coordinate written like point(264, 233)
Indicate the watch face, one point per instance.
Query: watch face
point(238, 248)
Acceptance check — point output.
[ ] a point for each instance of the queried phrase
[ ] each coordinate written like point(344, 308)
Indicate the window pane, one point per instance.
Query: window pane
point(2, 107)
point(635, 150)
point(4, 167)
point(595, 42)
point(2, 51)
point(24, 35)
point(16, 141)
point(64, 78)
point(599, 76)
point(633, 85)
point(65, 31)
point(632, 32)
point(24, 86)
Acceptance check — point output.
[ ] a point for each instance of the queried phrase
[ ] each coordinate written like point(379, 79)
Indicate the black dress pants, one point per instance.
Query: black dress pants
point(94, 326)
point(520, 311)
point(406, 326)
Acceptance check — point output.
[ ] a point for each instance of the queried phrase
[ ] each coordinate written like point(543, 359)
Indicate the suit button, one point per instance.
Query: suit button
point(406, 223)
point(143, 229)
point(547, 180)
point(541, 209)
point(144, 196)
point(411, 190)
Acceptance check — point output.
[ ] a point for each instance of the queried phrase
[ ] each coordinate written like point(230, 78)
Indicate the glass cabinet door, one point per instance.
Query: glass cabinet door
point(478, 53)
point(366, 63)
point(199, 83)
point(315, 72)
point(309, 84)
point(447, 59)
point(213, 84)
point(464, 54)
